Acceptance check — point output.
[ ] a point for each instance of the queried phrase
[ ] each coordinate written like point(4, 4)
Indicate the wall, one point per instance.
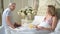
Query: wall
point(58, 8)
point(43, 6)
point(0, 13)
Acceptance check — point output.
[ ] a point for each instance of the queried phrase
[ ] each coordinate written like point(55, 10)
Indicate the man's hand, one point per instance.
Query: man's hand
point(13, 27)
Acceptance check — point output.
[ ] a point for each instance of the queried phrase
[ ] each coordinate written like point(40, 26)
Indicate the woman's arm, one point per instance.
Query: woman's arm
point(54, 23)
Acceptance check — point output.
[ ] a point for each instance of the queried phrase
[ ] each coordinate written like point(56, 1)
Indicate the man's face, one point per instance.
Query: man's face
point(12, 7)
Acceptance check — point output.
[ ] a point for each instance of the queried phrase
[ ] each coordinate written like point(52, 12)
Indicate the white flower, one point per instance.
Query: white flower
point(29, 14)
point(18, 13)
point(27, 11)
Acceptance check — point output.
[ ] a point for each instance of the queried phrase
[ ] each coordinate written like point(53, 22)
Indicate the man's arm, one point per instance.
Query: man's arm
point(9, 22)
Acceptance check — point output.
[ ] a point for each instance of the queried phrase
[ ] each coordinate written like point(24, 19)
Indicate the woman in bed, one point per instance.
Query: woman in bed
point(50, 21)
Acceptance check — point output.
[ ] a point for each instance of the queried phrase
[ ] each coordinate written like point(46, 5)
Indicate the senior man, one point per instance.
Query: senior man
point(7, 20)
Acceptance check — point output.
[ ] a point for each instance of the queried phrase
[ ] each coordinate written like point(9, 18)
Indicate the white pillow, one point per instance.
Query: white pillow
point(58, 26)
point(37, 20)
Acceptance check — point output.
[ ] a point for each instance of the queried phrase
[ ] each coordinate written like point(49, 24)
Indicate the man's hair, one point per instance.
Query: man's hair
point(11, 4)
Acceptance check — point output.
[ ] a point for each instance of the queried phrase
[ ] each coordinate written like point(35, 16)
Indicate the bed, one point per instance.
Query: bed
point(26, 30)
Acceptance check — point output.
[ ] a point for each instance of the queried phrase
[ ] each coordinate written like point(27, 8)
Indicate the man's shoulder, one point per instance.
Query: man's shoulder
point(7, 10)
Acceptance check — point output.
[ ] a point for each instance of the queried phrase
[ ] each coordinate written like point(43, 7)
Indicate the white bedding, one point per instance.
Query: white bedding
point(24, 30)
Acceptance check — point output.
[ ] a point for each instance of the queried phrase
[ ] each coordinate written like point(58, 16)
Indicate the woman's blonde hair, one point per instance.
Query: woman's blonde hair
point(52, 10)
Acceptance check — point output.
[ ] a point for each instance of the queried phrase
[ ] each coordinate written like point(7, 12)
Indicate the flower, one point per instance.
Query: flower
point(27, 11)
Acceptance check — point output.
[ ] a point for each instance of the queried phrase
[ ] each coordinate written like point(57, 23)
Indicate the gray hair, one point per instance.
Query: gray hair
point(11, 4)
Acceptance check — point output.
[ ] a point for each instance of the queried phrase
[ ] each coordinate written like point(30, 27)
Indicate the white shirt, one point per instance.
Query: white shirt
point(7, 12)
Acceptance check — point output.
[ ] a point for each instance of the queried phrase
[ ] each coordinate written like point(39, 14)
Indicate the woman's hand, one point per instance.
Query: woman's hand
point(39, 28)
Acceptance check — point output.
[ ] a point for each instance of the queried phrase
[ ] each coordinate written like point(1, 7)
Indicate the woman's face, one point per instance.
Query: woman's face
point(48, 11)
